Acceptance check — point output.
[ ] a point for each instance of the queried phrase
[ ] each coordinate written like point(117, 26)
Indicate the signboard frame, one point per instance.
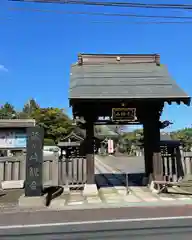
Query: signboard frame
point(131, 117)
point(34, 162)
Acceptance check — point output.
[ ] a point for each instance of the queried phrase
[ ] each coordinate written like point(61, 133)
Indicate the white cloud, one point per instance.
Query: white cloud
point(3, 68)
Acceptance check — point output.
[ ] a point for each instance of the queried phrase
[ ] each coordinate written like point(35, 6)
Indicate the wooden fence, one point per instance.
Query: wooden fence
point(176, 166)
point(74, 171)
point(55, 170)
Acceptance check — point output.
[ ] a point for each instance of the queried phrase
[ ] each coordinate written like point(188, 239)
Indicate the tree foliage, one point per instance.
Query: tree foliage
point(55, 121)
point(7, 111)
point(29, 108)
point(184, 135)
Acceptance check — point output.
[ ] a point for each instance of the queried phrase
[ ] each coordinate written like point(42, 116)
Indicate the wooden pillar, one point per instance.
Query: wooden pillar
point(153, 160)
point(148, 155)
point(89, 149)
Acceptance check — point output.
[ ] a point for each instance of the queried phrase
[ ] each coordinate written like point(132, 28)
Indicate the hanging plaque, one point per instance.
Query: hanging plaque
point(124, 114)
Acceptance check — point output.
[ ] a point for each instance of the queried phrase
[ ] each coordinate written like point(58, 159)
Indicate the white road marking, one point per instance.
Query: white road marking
point(93, 222)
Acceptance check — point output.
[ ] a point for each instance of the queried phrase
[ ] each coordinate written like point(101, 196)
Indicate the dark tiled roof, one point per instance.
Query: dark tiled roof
point(129, 80)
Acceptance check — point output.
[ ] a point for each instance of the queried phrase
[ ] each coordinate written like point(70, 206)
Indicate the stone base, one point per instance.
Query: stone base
point(66, 189)
point(90, 190)
point(32, 201)
point(152, 188)
point(17, 184)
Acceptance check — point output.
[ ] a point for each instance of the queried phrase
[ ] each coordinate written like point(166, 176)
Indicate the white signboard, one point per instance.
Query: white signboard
point(110, 146)
point(12, 139)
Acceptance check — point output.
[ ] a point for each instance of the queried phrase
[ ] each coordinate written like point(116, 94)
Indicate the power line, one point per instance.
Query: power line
point(132, 22)
point(129, 22)
point(99, 13)
point(114, 4)
point(145, 23)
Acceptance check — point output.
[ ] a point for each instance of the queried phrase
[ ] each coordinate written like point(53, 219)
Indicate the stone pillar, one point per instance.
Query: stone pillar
point(34, 162)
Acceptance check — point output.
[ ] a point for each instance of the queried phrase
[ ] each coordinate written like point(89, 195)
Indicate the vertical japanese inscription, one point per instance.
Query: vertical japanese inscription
point(34, 161)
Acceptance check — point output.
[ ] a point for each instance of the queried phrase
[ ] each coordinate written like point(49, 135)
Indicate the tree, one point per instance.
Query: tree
point(55, 122)
point(185, 136)
point(7, 111)
point(131, 140)
point(28, 109)
point(133, 136)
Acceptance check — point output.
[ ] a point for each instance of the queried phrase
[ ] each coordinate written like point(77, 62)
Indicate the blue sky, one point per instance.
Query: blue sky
point(37, 48)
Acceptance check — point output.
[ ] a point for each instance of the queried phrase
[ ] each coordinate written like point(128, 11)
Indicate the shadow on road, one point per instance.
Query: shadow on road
point(2, 194)
point(118, 179)
point(52, 192)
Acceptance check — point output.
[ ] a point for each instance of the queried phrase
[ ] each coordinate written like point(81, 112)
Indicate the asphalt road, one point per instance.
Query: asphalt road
point(149, 229)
